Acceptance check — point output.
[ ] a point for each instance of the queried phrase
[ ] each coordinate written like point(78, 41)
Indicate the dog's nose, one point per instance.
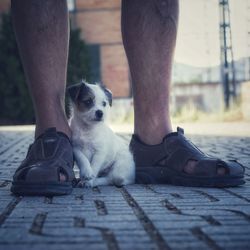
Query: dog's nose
point(99, 114)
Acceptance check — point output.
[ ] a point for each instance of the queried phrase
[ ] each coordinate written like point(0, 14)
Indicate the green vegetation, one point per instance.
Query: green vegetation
point(15, 101)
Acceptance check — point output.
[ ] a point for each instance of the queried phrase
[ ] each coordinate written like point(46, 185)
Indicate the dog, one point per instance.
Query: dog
point(102, 157)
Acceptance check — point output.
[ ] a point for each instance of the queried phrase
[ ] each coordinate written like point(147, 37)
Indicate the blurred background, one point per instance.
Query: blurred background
point(211, 72)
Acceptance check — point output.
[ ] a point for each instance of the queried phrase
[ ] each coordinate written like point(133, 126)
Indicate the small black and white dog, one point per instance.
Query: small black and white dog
point(103, 157)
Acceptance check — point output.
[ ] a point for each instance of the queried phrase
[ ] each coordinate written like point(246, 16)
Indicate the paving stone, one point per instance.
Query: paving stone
point(132, 217)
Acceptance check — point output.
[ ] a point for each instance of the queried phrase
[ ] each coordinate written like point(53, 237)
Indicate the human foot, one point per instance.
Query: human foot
point(178, 161)
point(47, 168)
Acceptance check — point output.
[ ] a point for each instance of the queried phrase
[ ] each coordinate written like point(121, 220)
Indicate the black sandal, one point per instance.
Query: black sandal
point(39, 174)
point(165, 163)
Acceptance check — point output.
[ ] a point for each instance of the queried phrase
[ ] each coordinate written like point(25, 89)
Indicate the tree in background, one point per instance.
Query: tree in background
point(79, 59)
point(78, 62)
point(15, 102)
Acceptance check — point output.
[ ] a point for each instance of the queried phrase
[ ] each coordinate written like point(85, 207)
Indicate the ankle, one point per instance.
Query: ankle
point(152, 135)
point(51, 114)
point(60, 128)
point(59, 122)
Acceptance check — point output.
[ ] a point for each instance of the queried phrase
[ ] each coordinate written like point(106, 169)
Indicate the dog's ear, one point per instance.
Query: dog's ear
point(109, 95)
point(74, 90)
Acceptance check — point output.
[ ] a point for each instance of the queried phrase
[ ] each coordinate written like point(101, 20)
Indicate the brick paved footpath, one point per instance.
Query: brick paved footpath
point(133, 217)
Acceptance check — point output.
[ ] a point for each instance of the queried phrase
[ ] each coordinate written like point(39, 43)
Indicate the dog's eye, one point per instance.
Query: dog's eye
point(88, 102)
point(104, 104)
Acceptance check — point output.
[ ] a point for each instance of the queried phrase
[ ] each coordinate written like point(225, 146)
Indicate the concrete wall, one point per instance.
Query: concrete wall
point(245, 100)
point(204, 96)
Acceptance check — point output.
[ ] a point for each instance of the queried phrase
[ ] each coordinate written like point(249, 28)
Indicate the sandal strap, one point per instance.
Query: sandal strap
point(175, 151)
point(181, 150)
point(141, 152)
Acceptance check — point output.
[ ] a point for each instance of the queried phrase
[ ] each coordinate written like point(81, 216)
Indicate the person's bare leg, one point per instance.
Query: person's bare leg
point(149, 30)
point(42, 33)
point(149, 35)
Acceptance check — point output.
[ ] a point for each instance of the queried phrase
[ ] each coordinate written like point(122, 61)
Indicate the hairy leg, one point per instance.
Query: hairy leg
point(42, 33)
point(149, 30)
point(149, 35)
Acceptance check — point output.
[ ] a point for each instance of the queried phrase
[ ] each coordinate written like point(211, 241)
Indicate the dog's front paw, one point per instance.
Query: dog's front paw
point(87, 176)
point(89, 183)
point(80, 184)
point(86, 183)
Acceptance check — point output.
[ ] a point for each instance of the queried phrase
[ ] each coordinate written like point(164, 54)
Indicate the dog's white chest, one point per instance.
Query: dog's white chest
point(86, 145)
point(96, 147)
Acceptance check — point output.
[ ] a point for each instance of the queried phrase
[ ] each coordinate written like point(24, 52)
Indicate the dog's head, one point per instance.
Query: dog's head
point(91, 102)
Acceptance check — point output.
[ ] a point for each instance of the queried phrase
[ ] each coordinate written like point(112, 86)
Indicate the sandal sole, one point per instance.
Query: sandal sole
point(41, 189)
point(163, 175)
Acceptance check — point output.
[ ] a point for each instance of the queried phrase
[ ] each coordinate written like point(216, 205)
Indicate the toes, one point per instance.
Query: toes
point(62, 177)
point(190, 166)
point(221, 171)
point(213, 166)
point(80, 184)
point(89, 183)
point(83, 183)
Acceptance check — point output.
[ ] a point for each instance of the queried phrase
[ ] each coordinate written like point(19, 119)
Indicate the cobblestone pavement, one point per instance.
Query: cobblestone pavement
point(133, 217)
